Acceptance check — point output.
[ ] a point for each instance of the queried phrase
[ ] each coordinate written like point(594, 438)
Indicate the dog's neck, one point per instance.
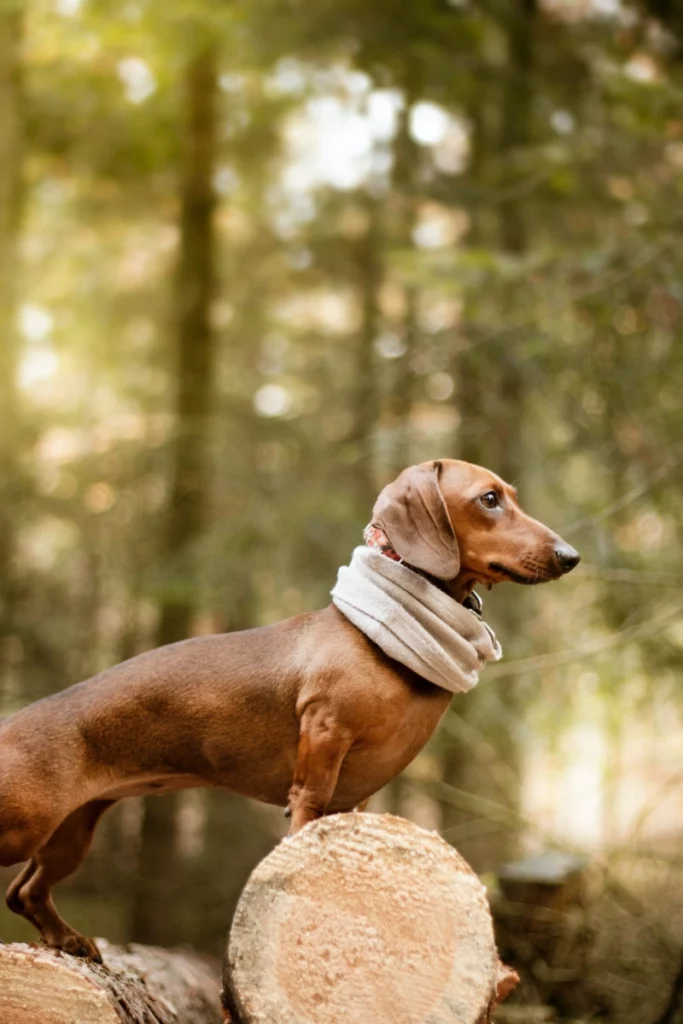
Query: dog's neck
point(375, 537)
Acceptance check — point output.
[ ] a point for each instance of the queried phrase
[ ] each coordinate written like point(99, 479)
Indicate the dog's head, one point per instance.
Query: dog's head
point(461, 523)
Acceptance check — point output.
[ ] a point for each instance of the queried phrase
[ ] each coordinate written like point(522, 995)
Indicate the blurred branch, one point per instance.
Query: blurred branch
point(463, 731)
point(634, 576)
point(654, 802)
point(527, 319)
point(638, 631)
point(463, 800)
point(491, 811)
point(628, 498)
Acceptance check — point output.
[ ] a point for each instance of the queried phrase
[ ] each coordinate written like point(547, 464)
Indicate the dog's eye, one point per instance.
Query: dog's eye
point(489, 500)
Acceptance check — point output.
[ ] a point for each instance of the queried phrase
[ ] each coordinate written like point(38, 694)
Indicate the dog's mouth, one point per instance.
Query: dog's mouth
point(539, 574)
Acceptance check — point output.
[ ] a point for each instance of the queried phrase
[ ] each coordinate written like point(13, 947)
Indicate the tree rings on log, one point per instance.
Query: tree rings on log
point(367, 918)
point(136, 985)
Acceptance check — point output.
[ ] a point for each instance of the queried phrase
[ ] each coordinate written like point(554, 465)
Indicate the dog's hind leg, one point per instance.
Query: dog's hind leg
point(29, 894)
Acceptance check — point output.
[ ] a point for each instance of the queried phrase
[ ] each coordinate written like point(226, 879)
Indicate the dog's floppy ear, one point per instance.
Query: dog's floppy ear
point(413, 514)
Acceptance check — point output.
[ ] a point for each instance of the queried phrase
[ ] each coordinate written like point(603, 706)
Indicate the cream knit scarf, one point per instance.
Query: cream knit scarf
point(413, 621)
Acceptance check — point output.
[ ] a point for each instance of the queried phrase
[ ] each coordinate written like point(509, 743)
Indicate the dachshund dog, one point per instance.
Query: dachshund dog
point(306, 713)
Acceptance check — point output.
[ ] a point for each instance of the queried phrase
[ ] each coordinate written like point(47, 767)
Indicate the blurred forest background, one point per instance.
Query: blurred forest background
point(255, 258)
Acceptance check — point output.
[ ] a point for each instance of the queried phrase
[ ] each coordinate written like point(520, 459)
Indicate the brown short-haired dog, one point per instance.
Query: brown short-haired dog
point(306, 712)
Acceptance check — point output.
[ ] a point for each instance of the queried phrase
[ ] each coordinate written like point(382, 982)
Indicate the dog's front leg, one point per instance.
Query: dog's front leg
point(323, 744)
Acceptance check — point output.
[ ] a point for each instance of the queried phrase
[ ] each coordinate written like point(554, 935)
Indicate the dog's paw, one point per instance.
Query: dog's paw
point(78, 945)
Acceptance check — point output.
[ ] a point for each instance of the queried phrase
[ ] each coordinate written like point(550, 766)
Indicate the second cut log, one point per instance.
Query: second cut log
point(136, 985)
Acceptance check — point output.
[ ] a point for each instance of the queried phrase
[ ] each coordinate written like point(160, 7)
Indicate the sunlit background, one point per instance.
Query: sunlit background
point(258, 257)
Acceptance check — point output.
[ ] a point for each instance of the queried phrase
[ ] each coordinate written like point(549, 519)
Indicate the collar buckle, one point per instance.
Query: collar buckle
point(474, 602)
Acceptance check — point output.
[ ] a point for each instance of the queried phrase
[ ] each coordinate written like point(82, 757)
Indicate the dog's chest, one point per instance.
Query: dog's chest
point(388, 744)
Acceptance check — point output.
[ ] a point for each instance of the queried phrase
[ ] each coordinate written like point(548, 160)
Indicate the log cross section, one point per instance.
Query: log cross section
point(362, 917)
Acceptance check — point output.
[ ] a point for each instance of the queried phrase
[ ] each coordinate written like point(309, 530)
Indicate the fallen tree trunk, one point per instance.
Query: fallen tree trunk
point(366, 918)
point(136, 985)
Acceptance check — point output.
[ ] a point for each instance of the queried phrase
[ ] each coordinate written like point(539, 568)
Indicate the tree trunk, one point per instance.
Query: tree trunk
point(364, 394)
point(153, 919)
point(401, 398)
point(363, 917)
point(491, 403)
point(11, 195)
point(137, 985)
point(406, 158)
point(195, 343)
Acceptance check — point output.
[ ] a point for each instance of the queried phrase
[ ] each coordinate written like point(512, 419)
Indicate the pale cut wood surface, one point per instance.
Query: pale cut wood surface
point(362, 918)
point(136, 985)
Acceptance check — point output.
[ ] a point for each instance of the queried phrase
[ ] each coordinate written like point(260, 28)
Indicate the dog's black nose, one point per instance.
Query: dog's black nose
point(566, 557)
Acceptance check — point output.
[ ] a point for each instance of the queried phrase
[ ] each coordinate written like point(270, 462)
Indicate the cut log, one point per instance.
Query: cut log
point(136, 985)
point(543, 923)
point(367, 918)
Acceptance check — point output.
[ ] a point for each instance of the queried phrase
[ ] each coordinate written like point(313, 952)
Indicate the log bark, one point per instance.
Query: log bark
point(363, 917)
point(136, 985)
